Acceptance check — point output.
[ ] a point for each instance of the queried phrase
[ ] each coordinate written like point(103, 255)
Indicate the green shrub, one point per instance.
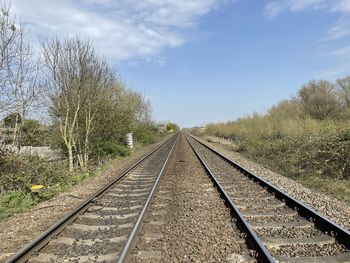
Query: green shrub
point(324, 155)
point(20, 173)
point(109, 149)
point(14, 202)
point(146, 133)
point(70, 180)
point(33, 133)
point(172, 127)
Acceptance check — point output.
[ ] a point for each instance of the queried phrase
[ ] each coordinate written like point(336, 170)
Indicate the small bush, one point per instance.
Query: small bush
point(14, 202)
point(33, 133)
point(20, 173)
point(109, 149)
point(146, 133)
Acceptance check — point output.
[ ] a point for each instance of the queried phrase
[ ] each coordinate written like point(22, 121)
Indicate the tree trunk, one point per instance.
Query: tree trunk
point(14, 139)
point(86, 159)
point(70, 158)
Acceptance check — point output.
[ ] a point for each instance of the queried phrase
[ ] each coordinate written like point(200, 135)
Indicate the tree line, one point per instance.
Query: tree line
point(89, 107)
point(319, 106)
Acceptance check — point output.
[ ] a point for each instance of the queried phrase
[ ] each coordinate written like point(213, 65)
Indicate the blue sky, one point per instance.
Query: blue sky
point(201, 61)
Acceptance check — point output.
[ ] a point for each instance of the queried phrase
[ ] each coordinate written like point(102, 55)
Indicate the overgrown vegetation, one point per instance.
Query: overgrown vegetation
point(306, 137)
point(68, 98)
point(18, 174)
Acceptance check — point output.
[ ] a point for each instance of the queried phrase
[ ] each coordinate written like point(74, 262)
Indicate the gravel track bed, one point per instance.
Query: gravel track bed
point(187, 219)
point(225, 175)
point(334, 209)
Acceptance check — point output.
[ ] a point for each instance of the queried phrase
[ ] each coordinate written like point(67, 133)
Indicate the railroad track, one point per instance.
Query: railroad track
point(103, 228)
point(188, 220)
point(277, 226)
point(270, 226)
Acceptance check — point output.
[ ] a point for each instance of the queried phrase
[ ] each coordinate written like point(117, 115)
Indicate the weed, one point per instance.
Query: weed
point(14, 202)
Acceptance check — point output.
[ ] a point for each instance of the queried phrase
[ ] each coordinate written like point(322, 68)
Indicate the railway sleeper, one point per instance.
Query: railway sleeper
point(132, 186)
point(340, 258)
point(310, 250)
point(269, 216)
point(262, 202)
point(99, 218)
point(44, 257)
point(286, 229)
point(234, 194)
point(97, 228)
point(276, 208)
point(282, 242)
point(249, 187)
point(133, 190)
point(84, 242)
point(251, 199)
point(106, 210)
point(127, 195)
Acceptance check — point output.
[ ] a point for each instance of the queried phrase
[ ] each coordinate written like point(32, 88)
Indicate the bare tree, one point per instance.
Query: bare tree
point(98, 79)
point(76, 78)
point(18, 87)
point(8, 39)
point(343, 86)
point(22, 81)
point(319, 99)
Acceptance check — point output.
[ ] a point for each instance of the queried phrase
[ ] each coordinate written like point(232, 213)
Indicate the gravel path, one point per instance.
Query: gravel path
point(334, 209)
point(188, 220)
point(21, 228)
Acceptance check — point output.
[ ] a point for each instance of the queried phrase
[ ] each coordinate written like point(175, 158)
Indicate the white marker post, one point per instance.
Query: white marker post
point(129, 140)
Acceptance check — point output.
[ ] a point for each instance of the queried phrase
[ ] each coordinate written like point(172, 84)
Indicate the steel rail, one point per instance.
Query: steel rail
point(130, 243)
point(339, 233)
point(263, 255)
point(39, 242)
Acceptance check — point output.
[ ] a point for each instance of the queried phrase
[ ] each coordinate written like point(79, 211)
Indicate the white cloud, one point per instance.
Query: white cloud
point(340, 29)
point(342, 52)
point(275, 7)
point(342, 6)
point(120, 29)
